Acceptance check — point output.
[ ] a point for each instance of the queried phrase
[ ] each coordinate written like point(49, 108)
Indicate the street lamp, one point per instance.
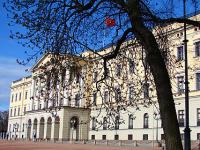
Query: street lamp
point(187, 142)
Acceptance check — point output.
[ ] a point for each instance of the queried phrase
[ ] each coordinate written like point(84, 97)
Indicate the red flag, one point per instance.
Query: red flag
point(110, 22)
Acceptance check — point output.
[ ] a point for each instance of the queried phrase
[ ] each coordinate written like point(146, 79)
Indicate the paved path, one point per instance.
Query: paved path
point(24, 145)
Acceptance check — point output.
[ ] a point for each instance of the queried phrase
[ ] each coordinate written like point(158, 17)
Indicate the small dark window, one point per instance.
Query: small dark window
point(93, 123)
point(198, 136)
point(130, 122)
point(198, 81)
point(18, 111)
point(145, 136)
point(131, 93)
point(23, 127)
point(146, 120)
point(24, 109)
point(94, 99)
point(197, 48)
point(40, 106)
point(104, 123)
point(77, 100)
point(146, 90)
point(92, 137)
point(78, 77)
point(20, 96)
point(69, 101)
point(116, 137)
point(180, 84)
point(117, 95)
point(162, 137)
point(95, 77)
point(198, 116)
point(130, 137)
point(15, 112)
point(103, 137)
point(106, 96)
point(118, 70)
point(181, 118)
point(117, 123)
point(16, 97)
point(26, 94)
point(180, 53)
point(131, 66)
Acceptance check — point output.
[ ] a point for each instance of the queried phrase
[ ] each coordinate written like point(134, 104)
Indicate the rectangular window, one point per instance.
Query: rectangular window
point(15, 112)
point(95, 77)
point(145, 136)
point(131, 66)
point(92, 137)
point(181, 118)
point(40, 106)
point(94, 99)
point(146, 90)
point(20, 96)
point(162, 137)
point(117, 95)
point(78, 77)
point(94, 123)
point(106, 96)
point(131, 93)
point(180, 53)
point(197, 48)
point(116, 137)
point(198, 81)
point(24, 109)
point(16, 97)
point(103, 137)
point(26, 94)
point(130, 137)
point(198, 136)
point(198, 116)
point(23, 127)
point(77, 100)
point(18, 111)
point(118, 70)
point(180, 84)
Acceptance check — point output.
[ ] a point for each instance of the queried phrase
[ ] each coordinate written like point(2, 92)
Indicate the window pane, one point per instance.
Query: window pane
point(198, 81)
point(180, 55)
point(197, 48)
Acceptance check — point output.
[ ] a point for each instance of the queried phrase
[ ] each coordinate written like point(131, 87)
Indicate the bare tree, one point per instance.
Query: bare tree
point(73, 26)
point(3, 121)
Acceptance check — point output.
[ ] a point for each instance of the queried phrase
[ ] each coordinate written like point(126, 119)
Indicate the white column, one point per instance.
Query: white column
point(45, 128)
point(52, 129)
point(32, 93)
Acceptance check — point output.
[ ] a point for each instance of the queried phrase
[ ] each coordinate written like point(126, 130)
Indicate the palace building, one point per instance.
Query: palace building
point(78, 98)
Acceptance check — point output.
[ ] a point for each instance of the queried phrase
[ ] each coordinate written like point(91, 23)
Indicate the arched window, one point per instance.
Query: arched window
point(146, 120)
point(117, 122)
point(104, 123)
point(93, 123)
point(130, 122)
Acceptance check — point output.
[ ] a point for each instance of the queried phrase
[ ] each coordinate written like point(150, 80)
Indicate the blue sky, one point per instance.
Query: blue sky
point(10, 70)
point(10, 50)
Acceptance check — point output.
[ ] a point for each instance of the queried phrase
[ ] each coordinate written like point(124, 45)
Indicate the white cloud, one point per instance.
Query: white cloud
point(10, 70)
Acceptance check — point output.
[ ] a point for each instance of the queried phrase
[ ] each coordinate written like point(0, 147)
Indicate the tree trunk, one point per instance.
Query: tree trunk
point(160, 75)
